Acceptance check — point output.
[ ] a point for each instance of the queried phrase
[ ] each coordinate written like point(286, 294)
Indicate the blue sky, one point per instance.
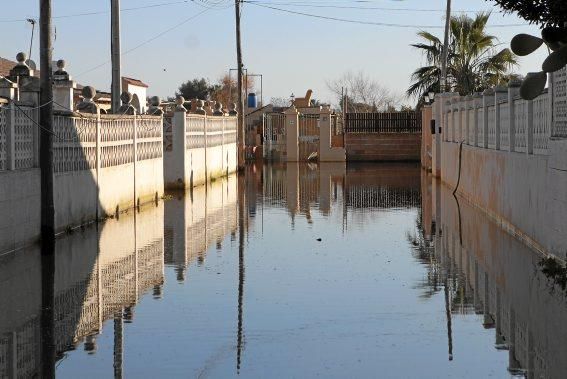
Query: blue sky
point(292, 52)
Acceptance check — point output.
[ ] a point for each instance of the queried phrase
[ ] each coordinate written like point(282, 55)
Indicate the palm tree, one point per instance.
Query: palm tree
point(473, 62)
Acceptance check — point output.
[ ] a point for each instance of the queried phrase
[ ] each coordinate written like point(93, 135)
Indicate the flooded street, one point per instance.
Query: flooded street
point(299, 271)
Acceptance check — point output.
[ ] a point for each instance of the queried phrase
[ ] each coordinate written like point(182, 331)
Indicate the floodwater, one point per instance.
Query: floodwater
point(366, 271)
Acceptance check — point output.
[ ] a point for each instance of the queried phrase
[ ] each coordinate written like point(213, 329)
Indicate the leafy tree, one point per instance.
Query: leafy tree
point(474, 63)
point(542, 12)
point(196, 89)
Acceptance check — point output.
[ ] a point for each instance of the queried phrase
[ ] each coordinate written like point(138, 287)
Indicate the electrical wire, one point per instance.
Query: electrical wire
point(146, 41)
point(362, 22)
point(311, 5)
point(95, 13)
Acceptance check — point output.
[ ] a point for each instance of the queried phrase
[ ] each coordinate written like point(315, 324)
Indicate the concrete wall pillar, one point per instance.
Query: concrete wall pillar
point(487, 100)
point(468, 104)
point(513, 92)
point(175, 166)
point(477, 103)
point(292, 134)
point(530, 127)
point(63, 95)
point(456, 114)
point(500, 95)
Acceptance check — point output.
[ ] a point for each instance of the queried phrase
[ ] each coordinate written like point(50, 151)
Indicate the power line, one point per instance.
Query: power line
point(95, 13)
point(311, 5)
point(147, 41)
point(362, 22)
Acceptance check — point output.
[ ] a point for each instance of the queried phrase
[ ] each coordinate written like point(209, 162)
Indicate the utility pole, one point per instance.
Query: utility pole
point(115, 51)
point(240, 105)
point(46, 121)
point(47, 319)
point(444, 62)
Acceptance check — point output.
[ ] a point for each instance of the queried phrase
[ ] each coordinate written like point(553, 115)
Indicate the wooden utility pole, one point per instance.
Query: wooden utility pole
point(46, 122)
point(47, 201)
point(240, 105)
point(115, 52)
point(444, 61)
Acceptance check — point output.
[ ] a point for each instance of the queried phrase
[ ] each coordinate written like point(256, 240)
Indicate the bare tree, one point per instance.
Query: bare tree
point(226, 92)
point(280, 102)
point(364, 93)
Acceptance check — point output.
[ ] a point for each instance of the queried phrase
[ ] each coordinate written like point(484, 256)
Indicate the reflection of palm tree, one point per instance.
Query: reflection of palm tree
point(423, 251)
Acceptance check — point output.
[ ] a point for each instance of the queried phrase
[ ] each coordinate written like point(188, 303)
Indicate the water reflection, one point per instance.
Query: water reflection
point(488, 272)
point(338, 269)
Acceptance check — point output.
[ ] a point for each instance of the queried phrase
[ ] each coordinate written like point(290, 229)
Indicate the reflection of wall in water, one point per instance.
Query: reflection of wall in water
point(501, 279)
point(198, 219)
point(97, 274)
point(20, 304)
point(382, 186)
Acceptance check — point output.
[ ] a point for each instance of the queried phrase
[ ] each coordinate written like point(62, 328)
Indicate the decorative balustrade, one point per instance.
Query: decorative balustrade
point(500, 121)
point(491, 127)
point(504, 126)
point(471, 123)
point(76, 145)
point(18, 137)
point(480, 127)
point(542, 124)
point(209, 131)
point(3, 138)
point(521, 125)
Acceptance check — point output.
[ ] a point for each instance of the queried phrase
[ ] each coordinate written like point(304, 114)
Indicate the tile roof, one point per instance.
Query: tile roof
point(134, 82)
point(5, 66)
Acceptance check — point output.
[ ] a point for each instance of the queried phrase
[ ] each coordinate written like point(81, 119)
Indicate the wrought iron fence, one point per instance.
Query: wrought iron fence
point(385, 122)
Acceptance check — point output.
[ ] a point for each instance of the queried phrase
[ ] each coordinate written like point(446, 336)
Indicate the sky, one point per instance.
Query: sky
point(167, 42)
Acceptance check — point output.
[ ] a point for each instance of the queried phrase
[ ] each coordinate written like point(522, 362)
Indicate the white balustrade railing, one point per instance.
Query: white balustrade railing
point(209, 131)
point(19, 131)
point(471, 124)
point(541, 124)
point(504, 126)
point(522, 126)
point(491, 127)
point(3, 138)
point(82, 140)
point(480, 127)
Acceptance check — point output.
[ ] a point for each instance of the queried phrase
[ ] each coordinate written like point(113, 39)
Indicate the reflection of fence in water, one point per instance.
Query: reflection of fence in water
point(20, 351)
point(360, 197)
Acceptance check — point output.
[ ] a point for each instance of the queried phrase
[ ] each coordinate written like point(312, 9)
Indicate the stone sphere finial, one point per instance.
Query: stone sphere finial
point(21, 57)
point(155, 101)
point(180, 101)
point(218, 109)
point(88, 93)
point(200, 103)
point(232, 109)
point(61, 64)
point(126, 97)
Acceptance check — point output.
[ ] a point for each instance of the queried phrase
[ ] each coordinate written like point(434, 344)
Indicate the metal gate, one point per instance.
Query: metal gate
point(308, 136)
point(274, 136)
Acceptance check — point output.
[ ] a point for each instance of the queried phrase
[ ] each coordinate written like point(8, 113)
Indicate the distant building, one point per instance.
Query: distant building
point(136, 87)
